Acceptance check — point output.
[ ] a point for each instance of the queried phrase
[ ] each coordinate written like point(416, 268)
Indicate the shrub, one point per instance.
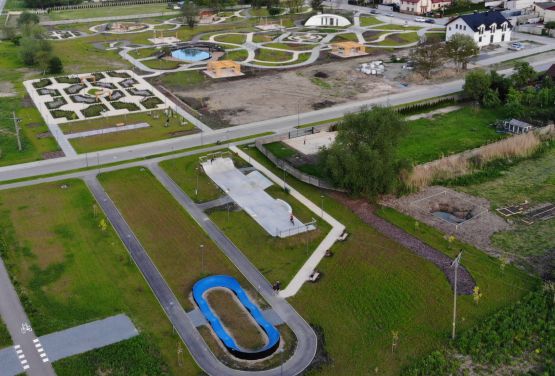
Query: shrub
point(151, 102)
point(69, 115)
point(94, 110)
point(42, 83)
point(123, 105)
point(55, 65)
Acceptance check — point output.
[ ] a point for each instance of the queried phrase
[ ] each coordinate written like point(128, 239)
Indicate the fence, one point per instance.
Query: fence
point(288, 168)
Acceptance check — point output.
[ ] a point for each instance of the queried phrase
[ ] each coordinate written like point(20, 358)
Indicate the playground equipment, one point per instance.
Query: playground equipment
point(223, 68)
point(348, 49)
point(230, 283)
point(103, 92)
point(86, 78)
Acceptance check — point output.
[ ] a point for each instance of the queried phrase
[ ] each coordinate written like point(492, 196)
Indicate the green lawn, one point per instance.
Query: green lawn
point(127, 10)
point(399, 39)
point(373, 286)
point(69, 272)
point(265, 54)
point(290, 46)
point(280, 150)
point(347, 37)
point(264, 37)
point(156, 131)
point(231, 38)
point(5, 338)
point(162, 64)
point(181, 80)
point(239, 55)
point(259, 12)
point(369, 21)
point(429, 139)
point(532, 180)
point(397, 27)
point(141, 53)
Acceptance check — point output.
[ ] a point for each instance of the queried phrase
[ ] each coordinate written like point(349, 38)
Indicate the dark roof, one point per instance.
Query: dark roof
point(545, 5)
point(551, 71)
point(484, 18)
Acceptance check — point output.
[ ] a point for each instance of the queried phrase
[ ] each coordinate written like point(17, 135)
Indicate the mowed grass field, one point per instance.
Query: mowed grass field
point(429, 139)
point(69, 272)
point(156, 131)
point(372, 286)
point(127, 10)
point(532, 180)
point(171, 237)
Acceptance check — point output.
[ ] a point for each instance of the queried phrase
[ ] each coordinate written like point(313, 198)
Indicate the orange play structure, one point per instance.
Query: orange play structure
point(348, 49)
point(223, 68)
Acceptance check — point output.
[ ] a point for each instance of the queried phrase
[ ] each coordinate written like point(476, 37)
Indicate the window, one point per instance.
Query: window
point(464, 27)
point(480, 40)
point(457, 27)
point(502, 37)
point(449, 28)
point(491, 38)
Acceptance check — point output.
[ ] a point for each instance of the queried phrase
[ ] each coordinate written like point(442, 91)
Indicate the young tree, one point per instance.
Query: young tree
point(317, 5)
point(363, 157)
point(524, 74)
point(461, 48)
point(476, 84)
point(55, 65)
point(27, 18)
point(491, 99)
point(500, 84)
point(42, 59)
point(190, 14)
point(428, 57)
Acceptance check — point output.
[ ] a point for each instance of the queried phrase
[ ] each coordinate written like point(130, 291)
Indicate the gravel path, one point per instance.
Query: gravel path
point(365, 211)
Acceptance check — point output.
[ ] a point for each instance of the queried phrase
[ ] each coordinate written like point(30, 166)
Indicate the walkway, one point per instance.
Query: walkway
point(365, 211)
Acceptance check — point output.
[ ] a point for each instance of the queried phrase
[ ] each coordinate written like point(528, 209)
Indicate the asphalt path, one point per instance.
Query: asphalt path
point(281, 124)
point(14, 317)
point(306, 338)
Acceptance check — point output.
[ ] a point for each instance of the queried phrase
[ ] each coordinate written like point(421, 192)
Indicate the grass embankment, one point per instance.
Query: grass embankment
point(141, 53)
point(265, 54)
point(369, 21)
point(162, 64)
point(69, 272)
point(373, 286)
point(5, 338)
point(156, 131)
point(532, 180)
point(231, 38)
point(454, 132)
point(400, 39)
point(236, 319)
point(347, 37)
point(128, 10)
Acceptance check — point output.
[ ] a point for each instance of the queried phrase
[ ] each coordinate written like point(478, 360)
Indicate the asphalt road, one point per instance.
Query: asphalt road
point(14, 316)
point(306, 338)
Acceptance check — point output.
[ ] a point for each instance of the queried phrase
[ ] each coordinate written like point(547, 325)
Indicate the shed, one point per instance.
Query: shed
point(348, 49)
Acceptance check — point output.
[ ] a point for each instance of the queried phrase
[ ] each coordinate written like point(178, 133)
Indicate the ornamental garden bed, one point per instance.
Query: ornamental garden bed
point(130, 82)
point(42, 83)
point(56, 103)
point(69, 115)
point(140, 92)
point(151, 102)
point(83, 99)
point(74, 89)
point(124, 105)
point(118, 74)
point(51, 92)
point(68, 80)
point(94, 110)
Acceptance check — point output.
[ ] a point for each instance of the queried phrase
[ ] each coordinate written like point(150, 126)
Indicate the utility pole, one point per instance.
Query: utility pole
point(202, 259)
point(17, 129)
point(455, 264)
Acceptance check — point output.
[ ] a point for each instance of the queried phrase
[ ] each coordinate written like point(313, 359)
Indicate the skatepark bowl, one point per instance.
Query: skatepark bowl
point(228, 282)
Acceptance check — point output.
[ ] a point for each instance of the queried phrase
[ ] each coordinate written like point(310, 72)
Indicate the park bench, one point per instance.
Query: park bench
point(314, 276)
point(343, 236)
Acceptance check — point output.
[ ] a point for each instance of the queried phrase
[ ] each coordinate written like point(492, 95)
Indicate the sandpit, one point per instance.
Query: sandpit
point(312, 143)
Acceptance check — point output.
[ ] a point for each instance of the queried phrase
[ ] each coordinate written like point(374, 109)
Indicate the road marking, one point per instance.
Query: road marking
point(25, 368)
point(40, 350)
point(37, 345)
point(24, 361)
point(35, 340)
point(18, 351)
point(17, 347)
point(21, 356)
point(42, 355)
point(45, 360)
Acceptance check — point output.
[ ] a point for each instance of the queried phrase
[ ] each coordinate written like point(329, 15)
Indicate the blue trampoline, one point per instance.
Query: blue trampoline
point(232, 284)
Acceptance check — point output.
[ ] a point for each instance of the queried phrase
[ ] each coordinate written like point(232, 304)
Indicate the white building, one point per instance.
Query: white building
point(327, 20)
point(545, 10)
point(485, 28)
point(422, 6)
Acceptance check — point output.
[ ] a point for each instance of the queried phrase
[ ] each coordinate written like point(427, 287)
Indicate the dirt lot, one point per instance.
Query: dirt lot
point(276, 94)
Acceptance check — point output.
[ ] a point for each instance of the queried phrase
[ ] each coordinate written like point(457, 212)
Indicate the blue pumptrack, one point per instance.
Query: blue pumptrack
point(232, 284)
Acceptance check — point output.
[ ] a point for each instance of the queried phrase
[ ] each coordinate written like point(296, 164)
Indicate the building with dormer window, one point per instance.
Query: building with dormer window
point(485, 28)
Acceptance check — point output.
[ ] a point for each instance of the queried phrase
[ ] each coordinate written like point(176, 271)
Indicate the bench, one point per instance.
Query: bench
point(343, 236)
point(120, 124)
point(314, 276)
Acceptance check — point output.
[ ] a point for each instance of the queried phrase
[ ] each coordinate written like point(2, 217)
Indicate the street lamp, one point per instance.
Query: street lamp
point(455, 264)
point(322, 206)
point(196, 189)
point(202, 259)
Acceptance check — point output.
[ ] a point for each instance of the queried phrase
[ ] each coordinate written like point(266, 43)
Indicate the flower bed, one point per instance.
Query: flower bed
point(74, 89)
point(151, 102)
point(55, 103)
point(68, 80)
point(140, 92)
point(130, 82)
point(94, 110)
point(51, 92)
point(124, 105)
point(83, 99)
point(69, 115)
point(42, 83)
point(116, 94)
point(118, 74)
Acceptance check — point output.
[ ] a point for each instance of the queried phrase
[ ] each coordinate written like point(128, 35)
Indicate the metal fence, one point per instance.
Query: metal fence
point(286, 166)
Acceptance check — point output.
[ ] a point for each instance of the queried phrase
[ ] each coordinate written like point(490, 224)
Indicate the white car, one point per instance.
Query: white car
point(516, 46)
point(420, 19)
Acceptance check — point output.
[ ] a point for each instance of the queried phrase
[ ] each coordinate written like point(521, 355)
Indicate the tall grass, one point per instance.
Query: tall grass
point(468, 162)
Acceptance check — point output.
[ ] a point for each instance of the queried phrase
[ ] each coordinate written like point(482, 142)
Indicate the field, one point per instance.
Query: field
point(171, 237)
point(5, 339)
point(399, 39)
point(266, 54)
point(532, 180)
point(454, 132)
point(369, 21)
point(156, 131)
point(372, 286)
point(69, 272)
point(128, 10)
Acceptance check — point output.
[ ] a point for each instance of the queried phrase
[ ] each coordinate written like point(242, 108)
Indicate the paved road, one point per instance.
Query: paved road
point(306, 348)
point(25, 344)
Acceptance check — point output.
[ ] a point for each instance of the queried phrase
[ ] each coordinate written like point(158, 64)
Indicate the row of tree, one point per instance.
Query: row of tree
point(433, 54)
point(526, 94)
point(34, 49)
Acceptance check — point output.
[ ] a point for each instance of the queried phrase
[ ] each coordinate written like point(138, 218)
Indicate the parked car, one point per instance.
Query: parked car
point(430, 21)
point(373, 11)
point(389, 14)
point(420, 19)
point(516, 46)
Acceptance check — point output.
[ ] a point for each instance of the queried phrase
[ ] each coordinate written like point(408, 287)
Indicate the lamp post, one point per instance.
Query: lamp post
point(196, 188)
point(202, 259)
point(322, 206)
point(455, 264)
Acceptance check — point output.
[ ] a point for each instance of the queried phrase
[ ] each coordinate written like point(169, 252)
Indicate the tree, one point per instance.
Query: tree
point(500, 84)
point(55, 65)
point(28, 49)
point(316, 5)
point(10, 33)
point(524, 74)
point(190, 14)
point(27, 18)
point(363, 157)
point(428, 57)
point(294, 5)
point(476, 84)
point(461, 48)
point(491, 99)
point(42, 59)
